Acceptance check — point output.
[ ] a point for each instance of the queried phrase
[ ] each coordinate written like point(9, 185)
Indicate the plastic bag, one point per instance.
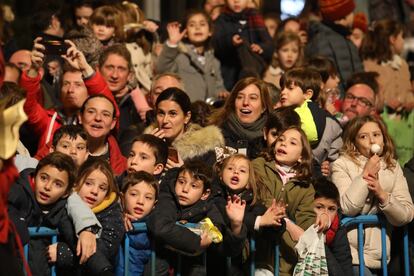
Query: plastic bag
point(311, 251)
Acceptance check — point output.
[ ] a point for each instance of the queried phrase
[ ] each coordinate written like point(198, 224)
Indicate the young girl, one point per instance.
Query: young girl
point(285, 173)
point(238, 180)
point(96, 187)
point(371, 183)
point(193, 60)
point(139, 195)
point(288, 54)
point(107, 24)
point(380, 52)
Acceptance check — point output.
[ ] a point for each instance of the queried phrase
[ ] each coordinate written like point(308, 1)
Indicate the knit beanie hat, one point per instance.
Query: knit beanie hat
point(360, 22)
point(333, 10)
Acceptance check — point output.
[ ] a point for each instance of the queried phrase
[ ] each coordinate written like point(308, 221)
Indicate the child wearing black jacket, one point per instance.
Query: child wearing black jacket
point(184, 197)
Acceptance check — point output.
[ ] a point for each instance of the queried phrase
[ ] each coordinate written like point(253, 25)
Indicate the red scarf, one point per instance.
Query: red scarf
point(330, 234)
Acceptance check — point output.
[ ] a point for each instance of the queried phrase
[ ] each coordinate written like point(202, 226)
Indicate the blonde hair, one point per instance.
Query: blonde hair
point(252, 181)
point(350, 134)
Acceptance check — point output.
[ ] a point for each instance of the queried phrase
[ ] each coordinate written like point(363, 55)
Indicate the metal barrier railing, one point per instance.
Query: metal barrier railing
point(381, 221)
point(359, 221)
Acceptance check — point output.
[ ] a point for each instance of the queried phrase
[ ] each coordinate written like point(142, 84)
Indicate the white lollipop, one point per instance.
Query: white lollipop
point(375, 148)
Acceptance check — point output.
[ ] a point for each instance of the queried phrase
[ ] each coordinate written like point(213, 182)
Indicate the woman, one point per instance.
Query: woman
point(173, 123)
point(244, 115)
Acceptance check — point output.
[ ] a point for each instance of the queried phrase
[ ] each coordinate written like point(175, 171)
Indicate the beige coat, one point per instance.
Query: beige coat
point(394, 80)
point(356, 199)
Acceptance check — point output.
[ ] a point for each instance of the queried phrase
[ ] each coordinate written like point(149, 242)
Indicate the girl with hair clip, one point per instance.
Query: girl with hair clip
point(370, 181)
point(380, 52)
point(285, 173)
point(97, 188)
point(288, 54)
point(238, 180)
point(193, 59)
point(106, 24)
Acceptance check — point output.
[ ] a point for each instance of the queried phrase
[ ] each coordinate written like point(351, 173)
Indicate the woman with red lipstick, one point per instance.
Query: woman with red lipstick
point(244, 115)
point(97, 188)
point(187, 140)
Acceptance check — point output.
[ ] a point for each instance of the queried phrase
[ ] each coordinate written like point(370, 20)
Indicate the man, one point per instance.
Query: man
point(360, 96)
point(162, 82)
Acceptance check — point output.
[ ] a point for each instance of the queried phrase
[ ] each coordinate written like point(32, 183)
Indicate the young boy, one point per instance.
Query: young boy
point(38, 198)
point(338, 253)
point(73, 141)
point(139, 196)
point(184, 197)
point(300, 87)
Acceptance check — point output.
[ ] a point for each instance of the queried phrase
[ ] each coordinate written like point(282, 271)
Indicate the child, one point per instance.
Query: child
point(285, 173)
point(329, 94)
point(279, 120)
point(271, 21)
point(107, 24)
point(359, 29)
point(329, 38)
point(73, 141)
point(37, 199)
point(139, 195)
point(371, 183)
point(184, 196)
point(96, 186)
point(338, 254)
point(148, 153)
point(288, 54)
point(194, 60)
point(241, 36)
point(380, 51)
point(300, 87)
point(238, 180)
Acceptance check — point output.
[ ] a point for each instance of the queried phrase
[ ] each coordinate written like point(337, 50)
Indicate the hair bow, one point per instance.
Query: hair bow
point(223, 153)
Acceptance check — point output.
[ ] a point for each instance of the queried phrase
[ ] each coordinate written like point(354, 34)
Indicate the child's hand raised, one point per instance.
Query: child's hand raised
point(174, 34)
point(52, 253)
point(235, 211)
point(273, 215)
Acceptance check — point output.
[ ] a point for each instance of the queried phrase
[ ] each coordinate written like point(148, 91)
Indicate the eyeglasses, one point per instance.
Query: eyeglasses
point(364, 102)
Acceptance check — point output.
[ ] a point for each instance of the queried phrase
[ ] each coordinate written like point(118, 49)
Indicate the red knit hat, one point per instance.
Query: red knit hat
point(333, 10)
point(360, 22)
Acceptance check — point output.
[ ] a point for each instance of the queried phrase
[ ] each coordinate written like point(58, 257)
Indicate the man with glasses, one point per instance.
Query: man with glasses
point(360, 96)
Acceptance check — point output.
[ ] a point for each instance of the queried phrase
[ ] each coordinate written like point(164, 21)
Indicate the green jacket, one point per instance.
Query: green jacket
point(298, 196)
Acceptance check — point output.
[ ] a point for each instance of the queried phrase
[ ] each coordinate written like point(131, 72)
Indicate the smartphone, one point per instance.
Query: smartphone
point(55, 47)
point(173, 155)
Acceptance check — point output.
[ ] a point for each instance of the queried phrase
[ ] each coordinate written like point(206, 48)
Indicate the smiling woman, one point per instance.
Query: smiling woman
point(244, 115)
point(173, 123)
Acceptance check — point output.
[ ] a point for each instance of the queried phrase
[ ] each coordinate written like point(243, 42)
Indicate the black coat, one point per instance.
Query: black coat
point(338, 255)
point(25, 212)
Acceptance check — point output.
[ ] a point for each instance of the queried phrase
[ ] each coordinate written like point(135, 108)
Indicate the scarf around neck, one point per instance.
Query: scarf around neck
point(246, 131)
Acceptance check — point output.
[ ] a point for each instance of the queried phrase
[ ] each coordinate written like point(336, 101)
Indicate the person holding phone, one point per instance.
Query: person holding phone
point(187, 141)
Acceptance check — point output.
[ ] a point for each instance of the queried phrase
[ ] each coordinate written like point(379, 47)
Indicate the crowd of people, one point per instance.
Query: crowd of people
point(239, 123)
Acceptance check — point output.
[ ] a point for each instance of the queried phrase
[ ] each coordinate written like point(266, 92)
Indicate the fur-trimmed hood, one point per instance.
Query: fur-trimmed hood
point(196, 140)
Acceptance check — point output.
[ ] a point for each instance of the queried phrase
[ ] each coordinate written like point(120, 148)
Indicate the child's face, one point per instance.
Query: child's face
point(397, 43)
point(236, 174)
point(102, 32)
point(325, 205)
point(332, 82)
point(82, 15)
point(189, 190)
point(139, 200)
point(270, 136)
point(142, 158)
point(369, 134)
point(94, 188)
point(288, 55)
point(288, 148)
point(356, 37)
point(248, 104)
point(75, 148)
point(293, 95)
point(271, 26)
point(198, 30)
point(50, 185)
point(237, 5)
